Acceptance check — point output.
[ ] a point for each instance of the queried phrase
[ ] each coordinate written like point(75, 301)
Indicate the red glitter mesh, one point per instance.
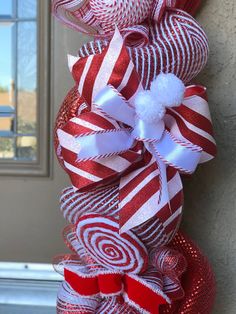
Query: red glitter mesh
point(68, 110)
point(198, 282)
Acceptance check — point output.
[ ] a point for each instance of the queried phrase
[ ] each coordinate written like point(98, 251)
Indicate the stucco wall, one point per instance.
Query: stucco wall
point(210, 196)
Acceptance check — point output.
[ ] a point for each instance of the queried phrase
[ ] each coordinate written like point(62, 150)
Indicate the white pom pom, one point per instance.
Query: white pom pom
point(168, 89)
point(147, 107)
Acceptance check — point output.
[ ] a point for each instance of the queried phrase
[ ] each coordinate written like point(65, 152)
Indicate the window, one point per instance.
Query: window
point(24, 87)
point(28, 288)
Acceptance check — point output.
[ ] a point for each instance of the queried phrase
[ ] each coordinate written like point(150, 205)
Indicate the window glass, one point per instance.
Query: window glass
point(18, 80)
point(26, 8)
point(26, 147)
point(6, 64)
point(26, 78)
point(6, 148)
point(6, 7)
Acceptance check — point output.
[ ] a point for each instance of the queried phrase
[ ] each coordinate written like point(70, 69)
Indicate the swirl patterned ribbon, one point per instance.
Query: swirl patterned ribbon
point(96, 147)
point(100, 237)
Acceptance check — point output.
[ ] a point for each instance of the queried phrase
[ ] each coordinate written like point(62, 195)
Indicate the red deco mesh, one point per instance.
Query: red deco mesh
point(198, 282)
point(69, 109)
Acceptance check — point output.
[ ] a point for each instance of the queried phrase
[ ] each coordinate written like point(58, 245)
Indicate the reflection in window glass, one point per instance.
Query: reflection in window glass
point(27, 77)
point(6, 7)
point(26, 148)
point(6, 148)
point(7, 124)
point(27, 8)
point(18, 80)
point(6, 64)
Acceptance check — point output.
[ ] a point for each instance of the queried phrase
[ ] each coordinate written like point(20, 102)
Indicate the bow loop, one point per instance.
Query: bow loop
point(170, 262)
point(136, 36)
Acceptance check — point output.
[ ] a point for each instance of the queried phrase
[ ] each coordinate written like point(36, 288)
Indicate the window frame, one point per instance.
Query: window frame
point(40, 167)
point(25, 285)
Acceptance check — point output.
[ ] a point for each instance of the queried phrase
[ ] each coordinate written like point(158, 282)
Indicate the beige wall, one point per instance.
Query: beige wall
point(210, 208)
point(30, 221)
point(30, 224)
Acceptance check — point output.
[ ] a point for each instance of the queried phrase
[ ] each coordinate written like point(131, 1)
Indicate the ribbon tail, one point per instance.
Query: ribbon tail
point(139, 294)
point(139, 196)
point(183, 156)
point(164, 197)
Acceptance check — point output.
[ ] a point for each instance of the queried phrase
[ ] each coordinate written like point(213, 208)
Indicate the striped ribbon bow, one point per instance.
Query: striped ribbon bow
point(164, 148)
point(106, 144)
